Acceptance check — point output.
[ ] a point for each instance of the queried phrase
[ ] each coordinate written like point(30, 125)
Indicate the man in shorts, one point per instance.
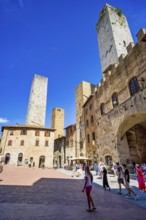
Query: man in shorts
point(127, 182)
point(120, 177)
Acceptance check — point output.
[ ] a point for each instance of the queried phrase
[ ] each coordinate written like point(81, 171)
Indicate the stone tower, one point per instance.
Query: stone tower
point(36, 113)
point(58, 122)
point(113, 36)
point(83, 92)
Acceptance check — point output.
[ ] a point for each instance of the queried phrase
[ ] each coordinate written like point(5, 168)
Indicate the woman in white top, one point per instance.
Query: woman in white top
point(88, 187)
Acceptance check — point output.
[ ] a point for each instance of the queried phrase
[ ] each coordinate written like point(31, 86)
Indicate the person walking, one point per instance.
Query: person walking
point(127, 182)
point(105, 180)
point(96, 168)
point(114, 168)
point(140, 178)
point(88, 187)
point(120, 177)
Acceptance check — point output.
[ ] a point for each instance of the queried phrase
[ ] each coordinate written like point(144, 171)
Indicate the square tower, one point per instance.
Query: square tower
point(58, 122)
point(113, 36)
point(36, 113)
point(83, 91)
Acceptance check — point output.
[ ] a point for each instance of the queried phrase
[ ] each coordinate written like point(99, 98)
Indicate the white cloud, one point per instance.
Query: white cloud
point(3, 120)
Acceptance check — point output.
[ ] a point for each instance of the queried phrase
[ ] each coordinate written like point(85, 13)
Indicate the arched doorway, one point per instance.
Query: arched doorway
point(108, 160)
point(42, 162)
point(20, 158)
point(7, 158)
point(131, 138)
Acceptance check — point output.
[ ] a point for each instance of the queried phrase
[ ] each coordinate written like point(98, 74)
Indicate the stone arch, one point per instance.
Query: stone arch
point(20, 158)
point(129, 121)
point(7, 158)
point(131, 138)
point(108, 159)
point(42, 161)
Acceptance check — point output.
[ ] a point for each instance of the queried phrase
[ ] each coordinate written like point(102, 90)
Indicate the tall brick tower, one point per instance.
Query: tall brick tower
point(83, 91)
point(58, 122)
point(36, 113)
point(113, 36)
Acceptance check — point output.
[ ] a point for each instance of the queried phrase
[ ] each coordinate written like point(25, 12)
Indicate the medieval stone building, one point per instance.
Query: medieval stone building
point(32, 143)
point(71, 145)
point(27, 146)
point(113, 119)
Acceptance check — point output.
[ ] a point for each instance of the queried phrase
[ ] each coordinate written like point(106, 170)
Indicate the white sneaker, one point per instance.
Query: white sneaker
point(136, 197)
point(128, 197)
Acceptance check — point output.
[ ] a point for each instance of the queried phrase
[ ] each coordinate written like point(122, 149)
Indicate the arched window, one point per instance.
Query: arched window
point(37, 142)
point(115, 99)
point(37, 133)
point(93, 136)
point(22, 143)
point(11, 132)
point(10, 143)
point(23, 132)
point(47, 134)
point(133, 86)
point(102, 109)
point(92, 119)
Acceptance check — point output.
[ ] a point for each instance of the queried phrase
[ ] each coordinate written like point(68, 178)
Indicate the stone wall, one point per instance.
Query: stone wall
point(112, 126)
point(29, 149)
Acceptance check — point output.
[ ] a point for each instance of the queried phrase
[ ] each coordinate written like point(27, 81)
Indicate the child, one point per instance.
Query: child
point(88, 187)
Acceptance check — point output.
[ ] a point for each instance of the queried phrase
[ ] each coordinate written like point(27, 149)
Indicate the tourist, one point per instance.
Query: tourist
point(96, 168)
point(80, 170)
point(140, 178)
point(134, 165)
point(105, 180)
point(101, 168)
point(144, 168)
point(120, 176)
point(74, 169)
point(127, 182)
point(88, 187)
point(114, 168)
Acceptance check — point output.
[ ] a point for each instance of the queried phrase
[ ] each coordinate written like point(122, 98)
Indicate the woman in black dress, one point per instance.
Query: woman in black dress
point(105, 180)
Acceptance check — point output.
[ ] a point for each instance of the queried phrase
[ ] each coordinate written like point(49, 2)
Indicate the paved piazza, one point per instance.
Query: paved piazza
point(27, 193)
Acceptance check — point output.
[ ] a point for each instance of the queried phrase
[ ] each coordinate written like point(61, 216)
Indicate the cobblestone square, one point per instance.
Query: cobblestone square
point(27, 193)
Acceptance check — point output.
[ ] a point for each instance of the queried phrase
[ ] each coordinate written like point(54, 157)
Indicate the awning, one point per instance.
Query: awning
point(79, 158)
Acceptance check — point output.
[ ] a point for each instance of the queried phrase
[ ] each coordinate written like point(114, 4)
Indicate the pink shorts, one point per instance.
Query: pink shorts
point(88, 189)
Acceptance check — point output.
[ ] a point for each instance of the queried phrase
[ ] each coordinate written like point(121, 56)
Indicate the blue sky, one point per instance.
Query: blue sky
point(56, 39)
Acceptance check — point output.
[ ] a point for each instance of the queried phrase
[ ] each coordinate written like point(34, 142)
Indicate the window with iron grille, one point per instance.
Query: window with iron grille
point(133, 86)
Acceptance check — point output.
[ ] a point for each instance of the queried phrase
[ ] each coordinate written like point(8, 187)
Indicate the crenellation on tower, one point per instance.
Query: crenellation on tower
point(113, 36)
